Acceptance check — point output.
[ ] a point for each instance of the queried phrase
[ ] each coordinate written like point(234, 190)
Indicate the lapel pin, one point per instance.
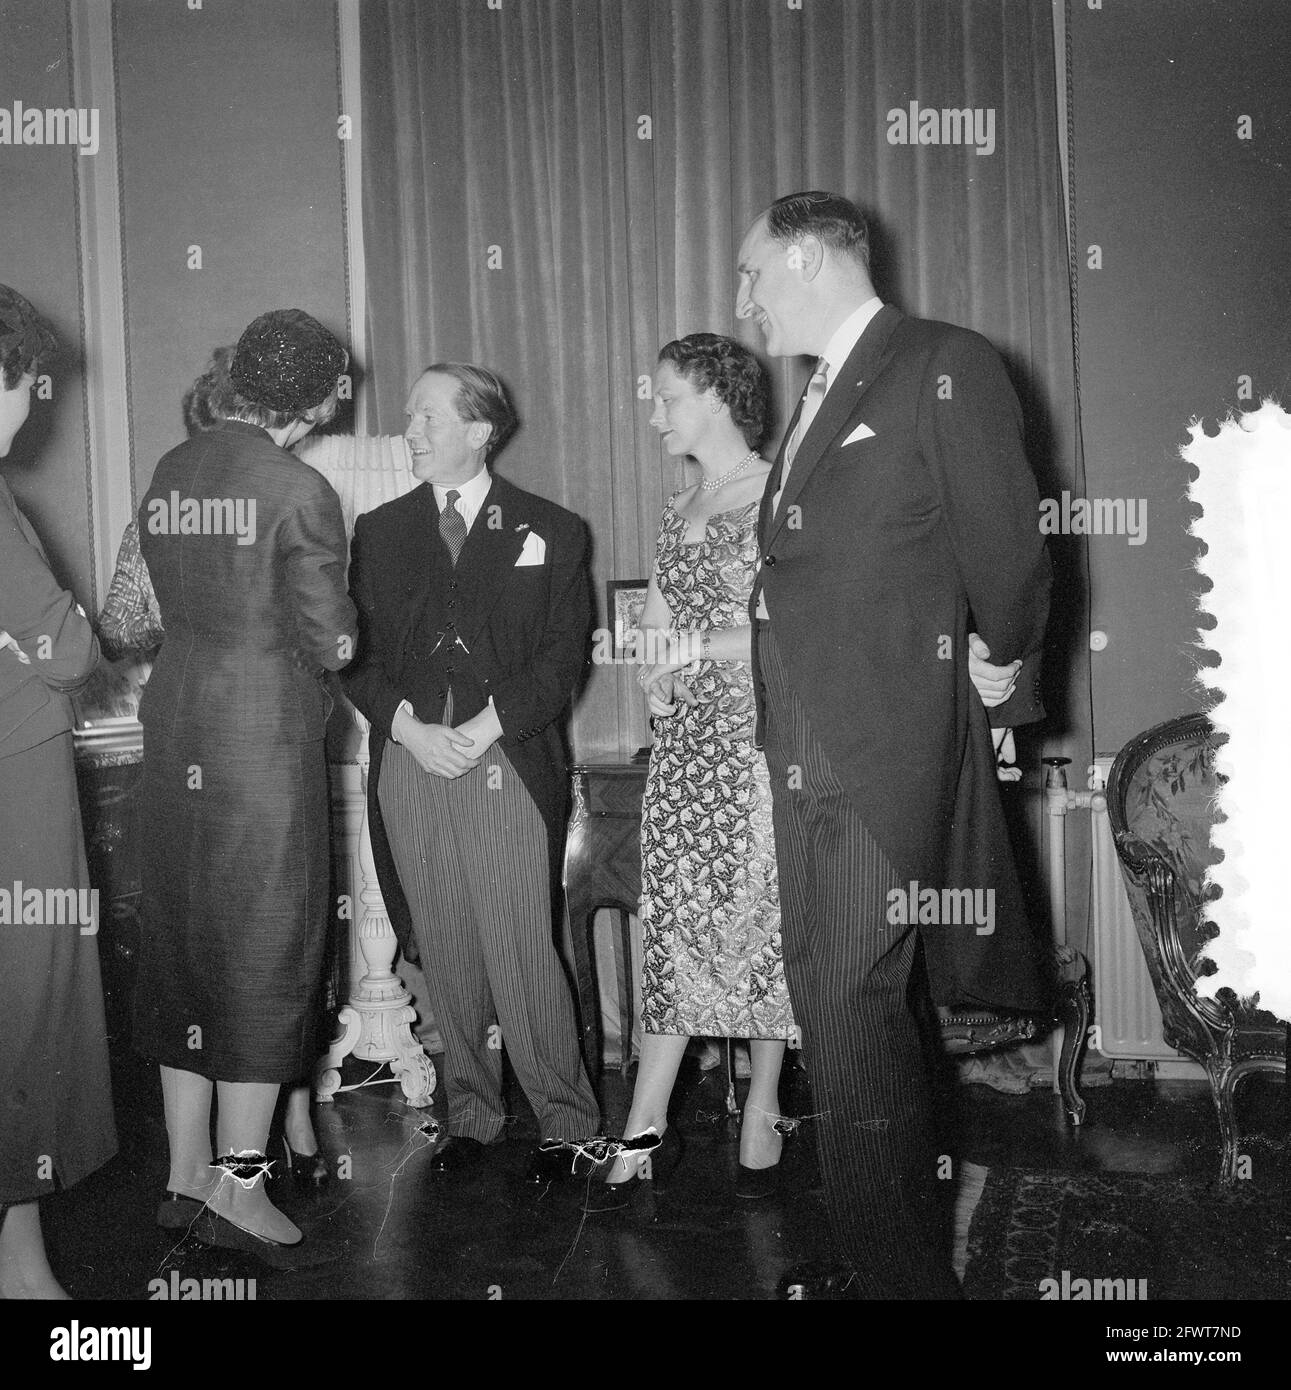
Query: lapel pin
point(524, 526)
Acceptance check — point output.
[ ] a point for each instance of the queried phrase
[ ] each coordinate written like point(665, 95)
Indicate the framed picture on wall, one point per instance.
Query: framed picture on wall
point(624, 601)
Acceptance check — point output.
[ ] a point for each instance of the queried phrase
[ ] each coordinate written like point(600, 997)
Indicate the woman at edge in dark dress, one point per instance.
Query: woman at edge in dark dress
point(235, 812)
point(56, 1121)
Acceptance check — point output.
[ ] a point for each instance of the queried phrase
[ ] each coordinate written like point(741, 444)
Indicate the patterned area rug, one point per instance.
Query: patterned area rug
point(1184, 1238)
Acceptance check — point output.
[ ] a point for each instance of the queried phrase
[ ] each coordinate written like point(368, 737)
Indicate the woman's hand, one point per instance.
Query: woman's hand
point(7, 641)
point(1006, 756)
point(663, 690)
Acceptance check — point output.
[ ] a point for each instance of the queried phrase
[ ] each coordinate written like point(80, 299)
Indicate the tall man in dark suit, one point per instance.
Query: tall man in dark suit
point(474, 615)
point(900, 513)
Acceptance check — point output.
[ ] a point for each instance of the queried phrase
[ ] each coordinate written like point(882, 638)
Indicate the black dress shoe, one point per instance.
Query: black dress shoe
point(456, 1155)
point(176, 1211)
point(818, 1282)
point(557, 1163)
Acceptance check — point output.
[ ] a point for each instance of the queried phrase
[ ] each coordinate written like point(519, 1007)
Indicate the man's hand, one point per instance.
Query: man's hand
point(437, 748)
point(994, 683)
point(1006, 756)
point(483, 729)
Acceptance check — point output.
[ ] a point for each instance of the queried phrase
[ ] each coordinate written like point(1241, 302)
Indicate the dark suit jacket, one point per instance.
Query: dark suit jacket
point(250, 628)
point(525, 629)
point(34, 703)
point(884, 554)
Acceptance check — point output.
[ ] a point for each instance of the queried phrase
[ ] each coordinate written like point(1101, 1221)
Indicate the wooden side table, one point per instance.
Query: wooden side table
point(603, 870)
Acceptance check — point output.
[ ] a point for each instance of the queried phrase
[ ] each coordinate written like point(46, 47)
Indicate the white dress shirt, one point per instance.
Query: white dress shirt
point(837, 351)
point(846, 336)
point(470, 495)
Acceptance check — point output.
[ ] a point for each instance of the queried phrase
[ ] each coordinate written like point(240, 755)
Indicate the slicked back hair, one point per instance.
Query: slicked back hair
point(837, 222)
point(482, 397)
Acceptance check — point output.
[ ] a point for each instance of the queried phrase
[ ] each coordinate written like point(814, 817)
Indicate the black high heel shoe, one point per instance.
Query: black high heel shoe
point(177, 1211)
point(218, 1231)
point(654, 1171)
point(755, 1183)
point(308, 1172)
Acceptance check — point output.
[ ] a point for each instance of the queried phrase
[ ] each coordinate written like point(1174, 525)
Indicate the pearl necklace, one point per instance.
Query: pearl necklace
point(731, 473)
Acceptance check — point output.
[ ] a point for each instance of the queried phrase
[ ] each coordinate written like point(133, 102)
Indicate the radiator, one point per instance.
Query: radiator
point(1125, 1004)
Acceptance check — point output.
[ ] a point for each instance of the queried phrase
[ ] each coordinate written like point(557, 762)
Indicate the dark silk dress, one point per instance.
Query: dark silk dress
point(235, 909)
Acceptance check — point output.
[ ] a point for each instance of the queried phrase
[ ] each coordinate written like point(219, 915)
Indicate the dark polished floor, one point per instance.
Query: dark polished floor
point(401, 1231)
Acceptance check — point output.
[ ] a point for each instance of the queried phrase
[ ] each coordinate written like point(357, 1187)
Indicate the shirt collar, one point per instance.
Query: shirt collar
point(848, 334)
point(471, 494)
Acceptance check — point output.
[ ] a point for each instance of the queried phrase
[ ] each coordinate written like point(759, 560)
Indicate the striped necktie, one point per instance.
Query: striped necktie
point(452, 525)
point(816, 389)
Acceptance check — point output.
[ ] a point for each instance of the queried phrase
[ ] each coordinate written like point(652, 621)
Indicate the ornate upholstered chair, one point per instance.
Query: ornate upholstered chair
point(967, 1031)
point(1161, 802)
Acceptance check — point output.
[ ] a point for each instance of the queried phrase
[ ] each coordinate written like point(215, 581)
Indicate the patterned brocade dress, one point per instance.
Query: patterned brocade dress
point(710, 911)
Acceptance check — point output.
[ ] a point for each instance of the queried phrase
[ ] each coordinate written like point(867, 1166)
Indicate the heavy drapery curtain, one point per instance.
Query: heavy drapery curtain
point(555, 188)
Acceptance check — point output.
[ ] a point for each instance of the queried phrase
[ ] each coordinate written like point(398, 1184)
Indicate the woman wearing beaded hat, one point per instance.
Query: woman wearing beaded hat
point(55, 1096)
point(246, 549)
point(129, 625)
point(710, 912)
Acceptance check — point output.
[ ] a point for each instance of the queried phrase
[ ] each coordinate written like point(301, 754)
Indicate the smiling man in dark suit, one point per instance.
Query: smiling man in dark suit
point(901, 513)
point(474, 615)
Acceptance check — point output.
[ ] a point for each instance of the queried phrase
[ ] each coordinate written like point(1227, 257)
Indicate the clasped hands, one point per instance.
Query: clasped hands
point(661, 685)
point(448, 752)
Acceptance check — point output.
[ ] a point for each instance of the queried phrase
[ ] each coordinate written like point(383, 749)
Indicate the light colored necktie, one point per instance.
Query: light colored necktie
point(816, 389)
point(452, 525)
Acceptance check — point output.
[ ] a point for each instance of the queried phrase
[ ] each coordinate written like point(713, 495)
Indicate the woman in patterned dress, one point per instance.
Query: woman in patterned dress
point(710, 913)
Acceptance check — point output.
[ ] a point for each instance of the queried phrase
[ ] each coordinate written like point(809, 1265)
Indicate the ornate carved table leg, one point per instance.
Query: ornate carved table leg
point(579, 871)
point(377, 1021)
point(1073, 1010)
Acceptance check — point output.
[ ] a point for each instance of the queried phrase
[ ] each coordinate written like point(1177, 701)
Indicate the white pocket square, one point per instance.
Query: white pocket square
point(534, 551)
point(859, 433)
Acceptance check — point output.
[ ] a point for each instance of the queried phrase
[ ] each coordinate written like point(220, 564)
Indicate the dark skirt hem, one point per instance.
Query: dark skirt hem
point(69, 1174)
point(234, 1070)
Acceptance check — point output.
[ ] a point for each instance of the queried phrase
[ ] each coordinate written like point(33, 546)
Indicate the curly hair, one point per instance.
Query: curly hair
point(711, 362)
point(211, 398)
point(25, 338)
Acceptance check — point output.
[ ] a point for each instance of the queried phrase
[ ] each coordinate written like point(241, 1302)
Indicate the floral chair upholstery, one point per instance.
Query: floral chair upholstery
point(1161, 801)
point(967, 1031)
